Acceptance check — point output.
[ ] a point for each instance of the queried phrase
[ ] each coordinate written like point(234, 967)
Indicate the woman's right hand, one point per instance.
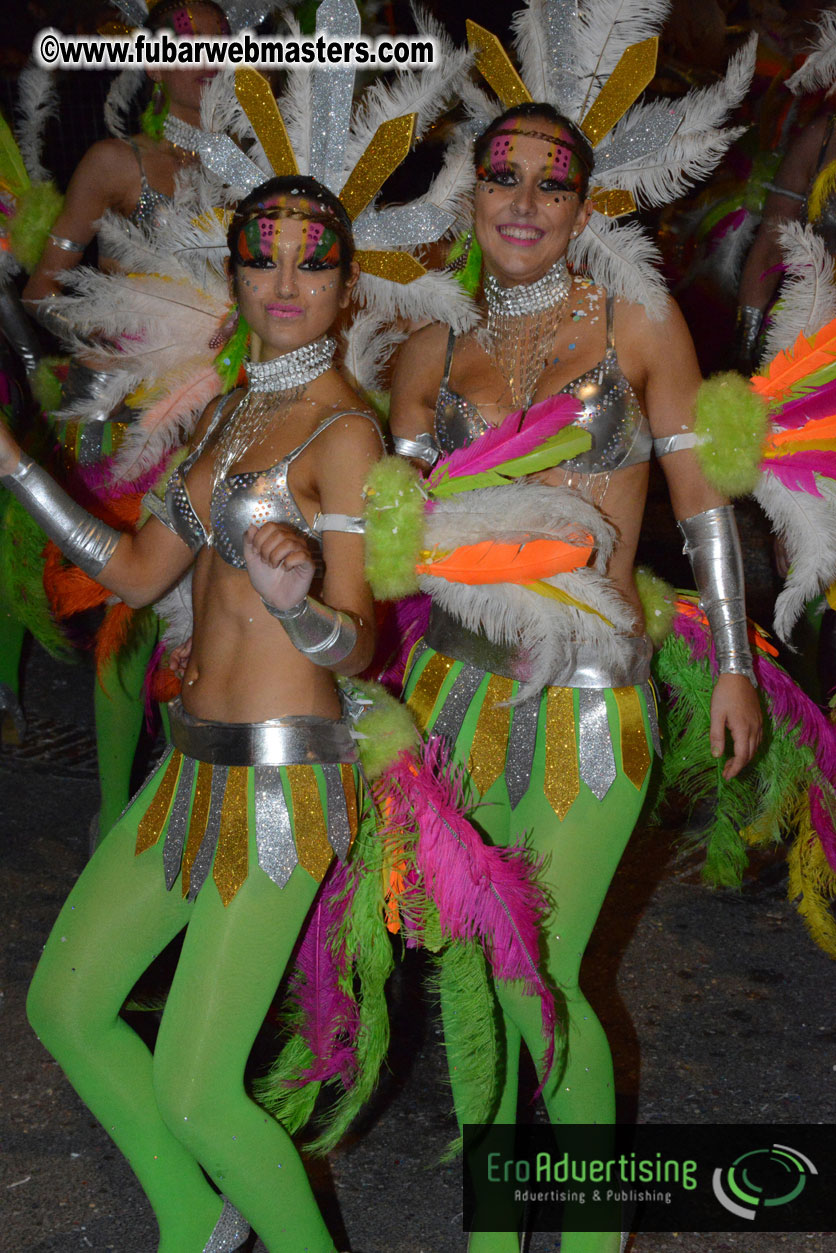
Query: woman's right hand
point(9, 451)
point(279, 564)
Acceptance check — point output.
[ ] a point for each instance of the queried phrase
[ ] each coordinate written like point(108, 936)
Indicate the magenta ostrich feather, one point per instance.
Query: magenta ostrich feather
point(798, 470)
point(97, 478)
point(404, 624)
point(150, 670)
point(823, 825)
point(481, 892)
point(520, 433)
point(797, 413)
point(329, 1015)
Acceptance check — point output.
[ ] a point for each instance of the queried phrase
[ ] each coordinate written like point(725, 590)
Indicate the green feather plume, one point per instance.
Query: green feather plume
point(13, 173)
point(152, 118)
point(470, 274)
point(35, 214)
point(21, 576)
point(45, 385)
point(658, 604)
point(232, 356)
point(731, 422)
point(385, 729)
point(394, 528)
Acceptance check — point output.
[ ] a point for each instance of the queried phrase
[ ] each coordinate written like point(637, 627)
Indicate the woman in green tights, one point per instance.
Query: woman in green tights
point(568, 765)
point(231, 836)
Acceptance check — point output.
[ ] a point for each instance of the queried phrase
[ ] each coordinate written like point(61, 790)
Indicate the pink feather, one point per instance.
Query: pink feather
point(823, 825)
point(404, 624)
point(329, 1015)
point(797, 470)
point(482, 892)
point(516, 435)
point(160, 425)
point(797, 413)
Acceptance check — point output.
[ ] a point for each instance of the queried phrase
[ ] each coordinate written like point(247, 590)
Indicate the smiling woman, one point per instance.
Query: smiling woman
point(233, 834)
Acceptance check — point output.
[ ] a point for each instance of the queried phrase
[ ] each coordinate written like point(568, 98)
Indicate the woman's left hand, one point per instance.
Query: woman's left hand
point(279, 564)
point(735, 708)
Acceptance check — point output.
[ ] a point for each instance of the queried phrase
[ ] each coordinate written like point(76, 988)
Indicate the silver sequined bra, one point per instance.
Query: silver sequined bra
point(149, 198)
point(611, 413)
point(241, 500)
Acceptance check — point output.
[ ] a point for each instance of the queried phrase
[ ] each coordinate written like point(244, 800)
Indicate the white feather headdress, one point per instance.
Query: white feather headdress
point(590, 60)
point(819, 70)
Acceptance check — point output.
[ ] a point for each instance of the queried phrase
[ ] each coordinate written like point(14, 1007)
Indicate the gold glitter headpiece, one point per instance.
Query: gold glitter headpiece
point(628, 80)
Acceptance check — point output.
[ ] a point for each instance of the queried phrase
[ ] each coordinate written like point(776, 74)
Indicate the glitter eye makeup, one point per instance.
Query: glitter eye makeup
point(320, 248)
point(563, 164)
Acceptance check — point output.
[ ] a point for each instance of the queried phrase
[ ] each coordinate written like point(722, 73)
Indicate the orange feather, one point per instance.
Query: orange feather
point(805, 357)
point(112, 635)
point(68, 589)
point(492, 562)
point(814, 433)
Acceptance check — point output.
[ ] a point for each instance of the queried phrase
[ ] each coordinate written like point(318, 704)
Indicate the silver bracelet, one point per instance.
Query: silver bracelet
point(66, 245)
point(17, 328)
point(422, 448)
point(323, 634)
point(712, 545)
point(749, 322)
point(87, 541)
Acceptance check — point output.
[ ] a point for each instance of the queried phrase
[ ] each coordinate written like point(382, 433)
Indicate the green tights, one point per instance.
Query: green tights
point(184, 1106)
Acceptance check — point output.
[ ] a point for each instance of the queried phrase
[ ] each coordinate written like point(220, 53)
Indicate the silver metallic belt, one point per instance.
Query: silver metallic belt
point(630, 669)
point(278, 742)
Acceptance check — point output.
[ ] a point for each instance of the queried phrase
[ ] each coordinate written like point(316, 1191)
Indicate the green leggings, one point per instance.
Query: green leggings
point(184, 1106)
point(581, 854)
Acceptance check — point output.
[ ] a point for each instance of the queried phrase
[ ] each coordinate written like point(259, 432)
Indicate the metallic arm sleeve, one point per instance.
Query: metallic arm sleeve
point(18, 329)
point(323, 634)
point(85, 540)
point(422, 448)
point(713, 547)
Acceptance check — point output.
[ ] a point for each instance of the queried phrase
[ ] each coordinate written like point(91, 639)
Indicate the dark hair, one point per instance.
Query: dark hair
point(531, 109)
point(158, 13)
point(333, 214)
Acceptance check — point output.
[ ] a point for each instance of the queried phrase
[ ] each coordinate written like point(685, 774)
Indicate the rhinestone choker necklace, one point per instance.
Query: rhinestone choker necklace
point(292, 369)
point(515, 302)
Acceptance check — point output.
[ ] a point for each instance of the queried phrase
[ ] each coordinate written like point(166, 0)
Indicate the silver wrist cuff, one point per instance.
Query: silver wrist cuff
point(87, 541)
point(66, 245)
point(87, 389)
point(712, 545)
point(323, 634)
point(749, 322)
point(422, 448)
point(18, 330)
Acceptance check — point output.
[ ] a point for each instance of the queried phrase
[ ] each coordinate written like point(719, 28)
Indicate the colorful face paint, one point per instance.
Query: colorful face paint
point(258, 239)
point(562, 163)
point(182, 20)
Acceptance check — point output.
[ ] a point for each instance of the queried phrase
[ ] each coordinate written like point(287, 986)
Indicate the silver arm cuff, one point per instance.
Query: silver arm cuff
point(665, 444)
point(422, 448)
point(66, 245)
point(712, 545)
point(88, 542)
point(323, 634)
point(17, 328)
point(749, 322)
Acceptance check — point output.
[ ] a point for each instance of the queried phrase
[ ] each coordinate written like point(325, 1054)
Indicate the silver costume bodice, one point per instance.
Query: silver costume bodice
point(149, 198)
point(611, 413)
point(238, 501)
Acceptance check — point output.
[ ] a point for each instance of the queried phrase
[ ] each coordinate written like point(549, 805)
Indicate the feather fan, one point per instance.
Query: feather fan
point(808, 291)
point(168, 422)
point(37, 102)
point(623, 259)
point(805, 524)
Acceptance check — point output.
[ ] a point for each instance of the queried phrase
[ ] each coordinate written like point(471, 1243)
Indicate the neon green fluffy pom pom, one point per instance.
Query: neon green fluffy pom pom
point(46, 386)
point(657, 598)
point(37, 210)
point(394, 528)
point(731, 422)
point(386, 728)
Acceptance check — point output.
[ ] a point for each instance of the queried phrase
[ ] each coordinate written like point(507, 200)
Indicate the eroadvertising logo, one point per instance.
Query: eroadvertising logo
point(770, 1177)
point(700, 1178)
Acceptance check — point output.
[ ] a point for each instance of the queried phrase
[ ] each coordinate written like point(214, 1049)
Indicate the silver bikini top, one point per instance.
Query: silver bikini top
point(149, 198)
point(611, 413)
point(240, 500)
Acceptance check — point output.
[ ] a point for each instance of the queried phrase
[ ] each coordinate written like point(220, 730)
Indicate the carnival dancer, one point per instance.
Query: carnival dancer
point(543, 691)
point(231, 836)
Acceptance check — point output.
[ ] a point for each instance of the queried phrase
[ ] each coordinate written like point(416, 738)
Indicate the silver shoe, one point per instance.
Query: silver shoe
point(231, 1231)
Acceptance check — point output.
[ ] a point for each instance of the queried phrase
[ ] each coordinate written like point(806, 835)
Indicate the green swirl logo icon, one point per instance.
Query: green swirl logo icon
point(762, 1178)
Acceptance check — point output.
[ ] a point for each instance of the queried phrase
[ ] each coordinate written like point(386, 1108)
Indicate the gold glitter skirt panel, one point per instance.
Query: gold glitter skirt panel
point(571, 738)
point(216, 821)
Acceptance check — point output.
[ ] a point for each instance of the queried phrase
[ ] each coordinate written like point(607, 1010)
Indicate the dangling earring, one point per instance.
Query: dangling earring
point(152, 119)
